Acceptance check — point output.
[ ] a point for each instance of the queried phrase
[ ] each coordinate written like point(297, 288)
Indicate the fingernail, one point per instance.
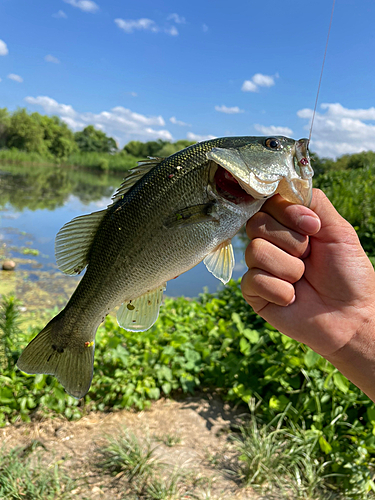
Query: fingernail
point(293, 300)
point(309, 224)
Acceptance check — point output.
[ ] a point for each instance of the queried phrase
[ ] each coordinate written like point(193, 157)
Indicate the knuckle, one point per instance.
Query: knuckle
point(255, 252)
point(256, 224)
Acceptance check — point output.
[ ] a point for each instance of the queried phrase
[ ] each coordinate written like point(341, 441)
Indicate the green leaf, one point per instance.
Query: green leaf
point(244, 346)
point(311, 358)
point(324, 445)
point(279, 403)
point(371, 414)
point(341, 382)
point(251, 335)
point(237, 321)
point(167, 387)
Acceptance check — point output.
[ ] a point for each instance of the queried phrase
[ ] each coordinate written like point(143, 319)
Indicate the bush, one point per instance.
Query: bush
point(352, 192)
point(217, 343)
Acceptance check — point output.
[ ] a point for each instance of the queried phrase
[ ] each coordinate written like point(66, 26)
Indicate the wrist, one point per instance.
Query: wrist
point(356, 359)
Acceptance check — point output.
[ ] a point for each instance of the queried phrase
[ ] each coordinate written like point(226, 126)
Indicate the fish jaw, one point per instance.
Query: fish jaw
point(263, 173)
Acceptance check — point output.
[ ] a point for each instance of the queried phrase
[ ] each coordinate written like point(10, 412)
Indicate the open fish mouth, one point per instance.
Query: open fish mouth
point(229, 188)
point(240, 179)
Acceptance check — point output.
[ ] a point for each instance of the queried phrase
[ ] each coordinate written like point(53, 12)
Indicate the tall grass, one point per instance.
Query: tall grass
point(104, 162)
point(24, 477)
point(16, 156)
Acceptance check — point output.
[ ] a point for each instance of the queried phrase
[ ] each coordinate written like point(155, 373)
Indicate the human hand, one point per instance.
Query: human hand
point(310, 278)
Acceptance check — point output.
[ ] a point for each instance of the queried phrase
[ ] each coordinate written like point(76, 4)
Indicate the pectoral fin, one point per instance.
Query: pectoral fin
point(220, 262)
point(141, 313)
point(192, 215)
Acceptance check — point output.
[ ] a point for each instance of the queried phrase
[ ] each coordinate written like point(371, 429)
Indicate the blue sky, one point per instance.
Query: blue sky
point(171, 70)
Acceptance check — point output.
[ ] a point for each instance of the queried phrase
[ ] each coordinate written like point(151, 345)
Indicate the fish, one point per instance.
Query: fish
point(168, 215)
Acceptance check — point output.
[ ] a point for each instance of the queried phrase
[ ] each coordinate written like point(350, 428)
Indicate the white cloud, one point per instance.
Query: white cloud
point(273, 130)
point(51, 106)
point(229, 111)
point(51, 59)
point(85, 5)
point(119, 122)
point(60, 15)
point(340, 130)
point(16, 78)
point(204, 28)
point(3, 48)
point(130, 25)
point(249, 86)
point(0, 80)
point(176, 18)
point(173, 120)
point(263, 80)
point(258, 80)
point(199, 138)
point(133, 94)
point(171, 31)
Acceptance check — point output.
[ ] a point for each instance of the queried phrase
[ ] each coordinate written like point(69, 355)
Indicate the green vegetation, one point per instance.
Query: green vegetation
point(219, 344)
point(136, 462)
point(311, 433)
point(31, 139)
point(126, 455)
point(352, 192)
point(23, 477)
point(91, 140)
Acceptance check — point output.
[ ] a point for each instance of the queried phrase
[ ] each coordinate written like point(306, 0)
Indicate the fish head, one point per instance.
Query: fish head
point(264, 166)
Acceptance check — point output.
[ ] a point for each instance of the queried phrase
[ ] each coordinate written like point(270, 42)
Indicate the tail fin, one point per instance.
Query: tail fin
point(72, 366)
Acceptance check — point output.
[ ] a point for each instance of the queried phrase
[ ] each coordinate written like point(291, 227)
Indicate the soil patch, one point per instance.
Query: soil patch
point(189, 435)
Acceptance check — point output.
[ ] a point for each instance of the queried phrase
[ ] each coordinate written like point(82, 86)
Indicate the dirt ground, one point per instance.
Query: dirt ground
point(200, 427)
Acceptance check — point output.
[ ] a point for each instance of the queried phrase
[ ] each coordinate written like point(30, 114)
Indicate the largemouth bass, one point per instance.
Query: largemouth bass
point(168, 215)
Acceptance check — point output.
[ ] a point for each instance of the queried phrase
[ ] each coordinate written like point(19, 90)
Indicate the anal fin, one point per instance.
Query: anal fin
point(220, 262)
point(141, 313)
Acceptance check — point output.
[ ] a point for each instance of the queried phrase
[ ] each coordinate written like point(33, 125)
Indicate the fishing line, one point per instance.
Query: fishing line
point(321, 72)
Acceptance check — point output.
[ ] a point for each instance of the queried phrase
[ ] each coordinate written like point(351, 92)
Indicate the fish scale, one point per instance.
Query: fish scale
point(168, 215)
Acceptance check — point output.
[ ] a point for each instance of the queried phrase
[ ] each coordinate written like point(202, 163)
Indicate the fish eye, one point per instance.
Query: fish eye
point(273, 143)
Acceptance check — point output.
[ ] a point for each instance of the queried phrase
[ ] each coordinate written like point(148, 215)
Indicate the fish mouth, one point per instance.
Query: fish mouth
point(239, 179)
point(229, 188)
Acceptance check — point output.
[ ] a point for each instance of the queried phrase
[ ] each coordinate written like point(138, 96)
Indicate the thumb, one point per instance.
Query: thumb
point(333, 225)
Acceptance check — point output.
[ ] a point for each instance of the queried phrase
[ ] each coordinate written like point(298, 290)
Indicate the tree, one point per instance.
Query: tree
point(171, 148)
point(58, 137)
point(91, 139)
point(4, 124)
point(25, 132)
point(145, 149)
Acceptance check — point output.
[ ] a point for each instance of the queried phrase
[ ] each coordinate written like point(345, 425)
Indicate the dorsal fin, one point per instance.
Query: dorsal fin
point(133, 176)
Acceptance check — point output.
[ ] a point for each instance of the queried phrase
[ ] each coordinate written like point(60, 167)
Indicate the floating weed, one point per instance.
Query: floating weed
point(30, 251)
point(23, 477)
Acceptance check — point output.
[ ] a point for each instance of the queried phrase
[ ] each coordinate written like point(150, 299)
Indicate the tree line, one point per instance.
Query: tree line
point(50, 137)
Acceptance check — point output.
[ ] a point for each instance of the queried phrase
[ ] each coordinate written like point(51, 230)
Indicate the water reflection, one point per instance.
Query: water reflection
point(35, 202)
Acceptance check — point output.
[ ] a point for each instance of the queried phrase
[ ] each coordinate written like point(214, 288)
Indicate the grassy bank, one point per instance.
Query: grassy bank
point(101, 161)
point(215, 344)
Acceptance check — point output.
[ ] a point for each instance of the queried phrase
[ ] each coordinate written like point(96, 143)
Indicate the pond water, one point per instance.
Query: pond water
point(35, 202)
